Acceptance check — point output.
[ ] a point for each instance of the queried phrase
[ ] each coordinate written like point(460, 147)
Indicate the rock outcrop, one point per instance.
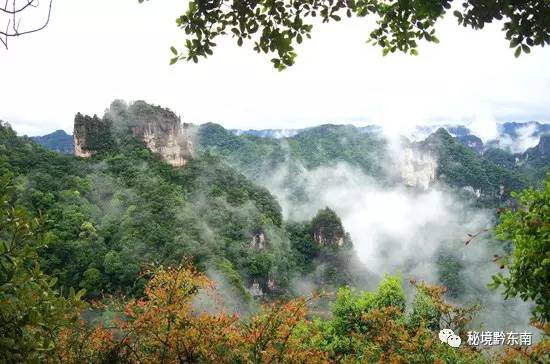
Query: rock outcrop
point(418, 169)
point(472, 142)
point(255, 290)
point(543, 146)
point(327, 229)
point(258, 241)
point(91, 135)
point(174, 144)
point(160, 130)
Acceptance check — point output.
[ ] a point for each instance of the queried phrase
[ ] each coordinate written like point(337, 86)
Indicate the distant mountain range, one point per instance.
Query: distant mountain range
point(58, 141)
point(514, 137)
point(461, 161)
point(518, 145)
point(517, 157)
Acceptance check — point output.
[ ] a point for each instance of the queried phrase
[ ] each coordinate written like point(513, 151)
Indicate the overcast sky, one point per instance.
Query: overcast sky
point(96, 51)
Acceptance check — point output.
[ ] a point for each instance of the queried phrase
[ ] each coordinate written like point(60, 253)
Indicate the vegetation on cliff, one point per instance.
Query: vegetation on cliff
point(119, 223)
point(122, 208)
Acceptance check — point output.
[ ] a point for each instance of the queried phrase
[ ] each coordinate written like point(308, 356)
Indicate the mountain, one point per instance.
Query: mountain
point(518, 137)
point(159, 128)
point(155, 189)
point(146, 196)
point(313, 147)
point(138, 193)
point(472, 141)
point(494, 171)
point(440, 158)
point(268, 133)
point(58, 141)
point(286, 133)
point(534, 162)
point(460, 166)
point(512, 136)
point(515, 129)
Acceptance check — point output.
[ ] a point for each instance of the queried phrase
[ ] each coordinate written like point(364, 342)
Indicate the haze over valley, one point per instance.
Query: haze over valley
point(407, 204)
point(217, 181)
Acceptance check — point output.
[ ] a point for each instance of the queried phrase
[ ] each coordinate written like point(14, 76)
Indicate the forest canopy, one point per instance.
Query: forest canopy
point(119, 256)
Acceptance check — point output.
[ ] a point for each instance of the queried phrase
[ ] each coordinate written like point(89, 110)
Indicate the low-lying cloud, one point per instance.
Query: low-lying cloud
point(401, 230)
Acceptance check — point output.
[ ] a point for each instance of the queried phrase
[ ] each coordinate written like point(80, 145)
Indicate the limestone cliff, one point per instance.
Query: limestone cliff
point(326, 229)
point(91, 134)
point(160, 130)
point(258, 241)
point(418, 169)
point(174, 144)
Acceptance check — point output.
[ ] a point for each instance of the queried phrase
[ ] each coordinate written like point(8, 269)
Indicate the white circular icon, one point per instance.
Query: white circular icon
point(447, 336)
point(454, 341)
point(444, 334)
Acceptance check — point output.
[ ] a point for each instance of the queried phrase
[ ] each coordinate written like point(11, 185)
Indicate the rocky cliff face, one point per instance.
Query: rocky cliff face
point(418, 169)
point(327, 230)
point(79, 147)
point(91, 134)
point(472, 142)
point(544, 145)
point(322, 238)
point(174, 144)
point(160, 130)
point(259, 241)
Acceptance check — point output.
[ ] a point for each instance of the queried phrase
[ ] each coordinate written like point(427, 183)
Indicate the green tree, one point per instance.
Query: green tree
point(31, 311)
point(527, 227)
point(275, 26)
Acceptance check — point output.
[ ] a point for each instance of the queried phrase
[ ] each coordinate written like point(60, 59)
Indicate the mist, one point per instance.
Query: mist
point(526, 138)
point(405, 230)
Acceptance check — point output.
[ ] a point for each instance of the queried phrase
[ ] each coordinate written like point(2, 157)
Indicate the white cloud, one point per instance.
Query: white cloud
point(526, 138)
point(401, 230)
point(485, 127)
point(95, 51)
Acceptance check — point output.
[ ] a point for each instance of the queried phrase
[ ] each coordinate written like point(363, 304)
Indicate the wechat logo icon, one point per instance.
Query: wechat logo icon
point(448, 336)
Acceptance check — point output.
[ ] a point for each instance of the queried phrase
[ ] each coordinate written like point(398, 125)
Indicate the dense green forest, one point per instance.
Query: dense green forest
point(123, 208)
point(458, 165)
point(117, 229)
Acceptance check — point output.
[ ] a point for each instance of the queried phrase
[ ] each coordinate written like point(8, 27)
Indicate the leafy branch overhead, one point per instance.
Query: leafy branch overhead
point(276, 26)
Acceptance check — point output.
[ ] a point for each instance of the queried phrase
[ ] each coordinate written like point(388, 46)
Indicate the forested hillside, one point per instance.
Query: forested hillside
point(124, 208)
point(458, 165)
point(181, 232)
point(58, 141)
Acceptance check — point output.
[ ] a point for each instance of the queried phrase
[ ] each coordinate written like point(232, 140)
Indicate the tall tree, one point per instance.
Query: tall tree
point(32, 312)
point(527, 227)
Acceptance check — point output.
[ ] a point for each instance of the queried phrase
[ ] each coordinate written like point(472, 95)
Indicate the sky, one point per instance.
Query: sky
point(96, 51)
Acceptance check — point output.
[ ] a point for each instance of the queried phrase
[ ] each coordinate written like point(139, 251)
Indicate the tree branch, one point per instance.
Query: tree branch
point(15, 19)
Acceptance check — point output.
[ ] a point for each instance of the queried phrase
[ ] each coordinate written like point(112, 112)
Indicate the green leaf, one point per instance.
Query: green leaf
point(174, 50)
point(517, 52)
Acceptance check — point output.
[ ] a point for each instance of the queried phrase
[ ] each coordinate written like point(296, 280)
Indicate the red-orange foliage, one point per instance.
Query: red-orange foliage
point(538, 353)
point(163, 328)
